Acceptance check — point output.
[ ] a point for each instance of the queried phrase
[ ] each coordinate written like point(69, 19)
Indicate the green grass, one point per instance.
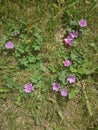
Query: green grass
point(47, 110)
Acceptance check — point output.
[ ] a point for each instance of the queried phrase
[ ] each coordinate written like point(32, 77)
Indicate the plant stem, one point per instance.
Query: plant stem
point(86, 97)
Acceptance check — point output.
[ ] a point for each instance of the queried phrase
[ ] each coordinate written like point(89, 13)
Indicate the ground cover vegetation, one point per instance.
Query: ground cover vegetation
point(48, 65)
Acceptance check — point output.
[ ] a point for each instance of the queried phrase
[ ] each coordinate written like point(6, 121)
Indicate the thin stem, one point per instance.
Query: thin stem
point(86, 98)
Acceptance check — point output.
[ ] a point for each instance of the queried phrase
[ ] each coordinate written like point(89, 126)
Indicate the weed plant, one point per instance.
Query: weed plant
point(43, 73)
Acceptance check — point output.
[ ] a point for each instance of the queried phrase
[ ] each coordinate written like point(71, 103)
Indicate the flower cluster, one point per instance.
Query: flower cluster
point(70, 38)
point(56, 87)
point(74, 34)
point(67, 63)
point(28, 88)
point(70, 79)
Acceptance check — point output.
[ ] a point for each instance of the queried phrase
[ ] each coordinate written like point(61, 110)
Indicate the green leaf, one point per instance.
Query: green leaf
point(9, 82)
point(62, 77)
point(83, 71)
point(73, 70)
point(42, 67)
point(18, 99)
point(72, 94)
point(4, 90)
point(31, 59)
point(52, 68)
point(36, 48)
point(92, 45)
point(73, 56)
point(36, 77)
point(60, 114)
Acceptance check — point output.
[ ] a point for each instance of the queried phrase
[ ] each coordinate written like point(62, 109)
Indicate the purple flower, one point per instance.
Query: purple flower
point(71, 79)
point(63, 93)
point(68, 41)
point(9, 45)
point(67, 63)
point(70, 37)
point(28, 88)
point(73, 34)
point(83, 23)
point(56, 86)
point(15, 33)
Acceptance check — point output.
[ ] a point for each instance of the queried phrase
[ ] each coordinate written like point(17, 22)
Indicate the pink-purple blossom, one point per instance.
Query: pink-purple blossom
point(15, 33)
point(73, 34)
point(63, 93)
point(67, 63)
point(9, 45)
point(56, 86)
point(28, 88)
point(71, 79)
point(83, 23)
point(68, 41)
point(70, 37)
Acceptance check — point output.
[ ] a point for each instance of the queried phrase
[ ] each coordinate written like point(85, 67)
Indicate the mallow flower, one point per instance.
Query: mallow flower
point(68, 41)
point(73, 34)
point(63, 93)
point(28, 88)
point(67, 63)
point(56, 86)
point(9, 45)
point(71, 79)
point(83, 23)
